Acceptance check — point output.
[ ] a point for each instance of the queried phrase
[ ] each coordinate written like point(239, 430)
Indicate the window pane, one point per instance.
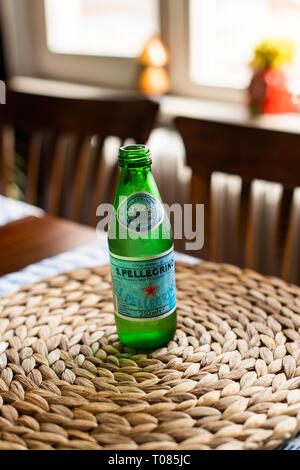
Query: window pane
point(224, 33)
point(113, 28)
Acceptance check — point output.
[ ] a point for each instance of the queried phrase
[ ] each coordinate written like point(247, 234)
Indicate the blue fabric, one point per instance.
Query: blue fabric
point(88, 256)
point(11, 210)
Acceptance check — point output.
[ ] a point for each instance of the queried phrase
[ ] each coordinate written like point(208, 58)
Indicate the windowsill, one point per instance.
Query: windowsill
point(170, 105)
point(62, 89)
point(231, 113)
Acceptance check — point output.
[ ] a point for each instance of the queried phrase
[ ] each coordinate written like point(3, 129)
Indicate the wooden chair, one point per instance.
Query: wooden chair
point(248, 222)
point(63, 142)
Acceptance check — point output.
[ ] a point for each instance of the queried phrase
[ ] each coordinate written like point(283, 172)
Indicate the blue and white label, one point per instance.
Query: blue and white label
point(144, 289)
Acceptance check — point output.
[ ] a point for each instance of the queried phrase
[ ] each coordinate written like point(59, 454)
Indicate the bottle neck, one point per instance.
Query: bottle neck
point(135, 158)
point(134, 175)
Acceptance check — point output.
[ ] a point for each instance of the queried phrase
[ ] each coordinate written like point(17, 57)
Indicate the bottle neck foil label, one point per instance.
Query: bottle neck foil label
point(144, 288)
point(140, 212)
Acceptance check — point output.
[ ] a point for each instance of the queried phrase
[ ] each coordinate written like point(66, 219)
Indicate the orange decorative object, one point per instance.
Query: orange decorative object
point(268, 93)
point(154, 78)
point(154, 53)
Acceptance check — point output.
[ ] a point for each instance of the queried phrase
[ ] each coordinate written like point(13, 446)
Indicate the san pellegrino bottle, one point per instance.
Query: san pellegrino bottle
point(141, 255)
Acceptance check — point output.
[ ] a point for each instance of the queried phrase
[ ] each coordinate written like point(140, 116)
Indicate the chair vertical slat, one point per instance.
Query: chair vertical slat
point(99, 182)
point(7, 161)
point(80, 179)
point(225, 208)
point(291, 258)
point(200, 194)
point(261, 244)
point(34, 155)
point(57, 173)
point(107, 160)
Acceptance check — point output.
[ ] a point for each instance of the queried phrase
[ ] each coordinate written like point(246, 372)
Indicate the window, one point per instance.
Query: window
point(223, 34)
point(98, 41)
point(114, 28)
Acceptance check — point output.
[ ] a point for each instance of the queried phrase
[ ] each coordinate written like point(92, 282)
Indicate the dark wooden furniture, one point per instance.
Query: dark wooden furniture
point(32, 239)
point(62, 141)
point(260, 230)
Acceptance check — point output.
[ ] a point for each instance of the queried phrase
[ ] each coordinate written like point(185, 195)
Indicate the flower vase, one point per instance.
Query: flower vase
point(268, 93)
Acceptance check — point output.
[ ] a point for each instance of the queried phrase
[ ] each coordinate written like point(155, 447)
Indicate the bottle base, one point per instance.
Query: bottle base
point(146, 336)
point(147, 343)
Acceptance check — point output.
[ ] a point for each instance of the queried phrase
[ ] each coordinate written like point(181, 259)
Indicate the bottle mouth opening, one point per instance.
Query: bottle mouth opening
point(134, 156)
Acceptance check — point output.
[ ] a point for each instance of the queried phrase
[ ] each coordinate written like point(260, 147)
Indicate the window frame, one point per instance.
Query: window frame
point(114, 71)
point(24, 26)
point(179, 45)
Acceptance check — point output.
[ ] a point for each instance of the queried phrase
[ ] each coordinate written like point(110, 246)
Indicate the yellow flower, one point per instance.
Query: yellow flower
point(273, 53)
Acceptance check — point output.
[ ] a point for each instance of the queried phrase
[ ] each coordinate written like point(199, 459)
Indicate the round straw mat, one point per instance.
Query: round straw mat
point(229, 379)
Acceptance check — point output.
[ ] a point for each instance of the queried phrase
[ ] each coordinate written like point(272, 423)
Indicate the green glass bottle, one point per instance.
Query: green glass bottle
point(142, 255)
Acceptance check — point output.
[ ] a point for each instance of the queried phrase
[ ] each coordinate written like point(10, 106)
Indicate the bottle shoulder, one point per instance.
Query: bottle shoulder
point(139, 225)
point(139, 248)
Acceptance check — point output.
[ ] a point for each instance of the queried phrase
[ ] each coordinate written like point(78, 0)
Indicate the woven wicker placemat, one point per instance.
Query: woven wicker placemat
point(229, 380)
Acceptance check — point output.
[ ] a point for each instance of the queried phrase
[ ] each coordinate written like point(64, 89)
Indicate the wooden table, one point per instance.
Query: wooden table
point(32, 239)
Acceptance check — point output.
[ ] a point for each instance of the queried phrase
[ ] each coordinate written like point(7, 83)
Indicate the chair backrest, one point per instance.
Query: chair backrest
point(62, 142)
point(252, 217)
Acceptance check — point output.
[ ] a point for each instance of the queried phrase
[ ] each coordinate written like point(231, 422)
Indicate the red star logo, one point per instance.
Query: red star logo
point(150, 290)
